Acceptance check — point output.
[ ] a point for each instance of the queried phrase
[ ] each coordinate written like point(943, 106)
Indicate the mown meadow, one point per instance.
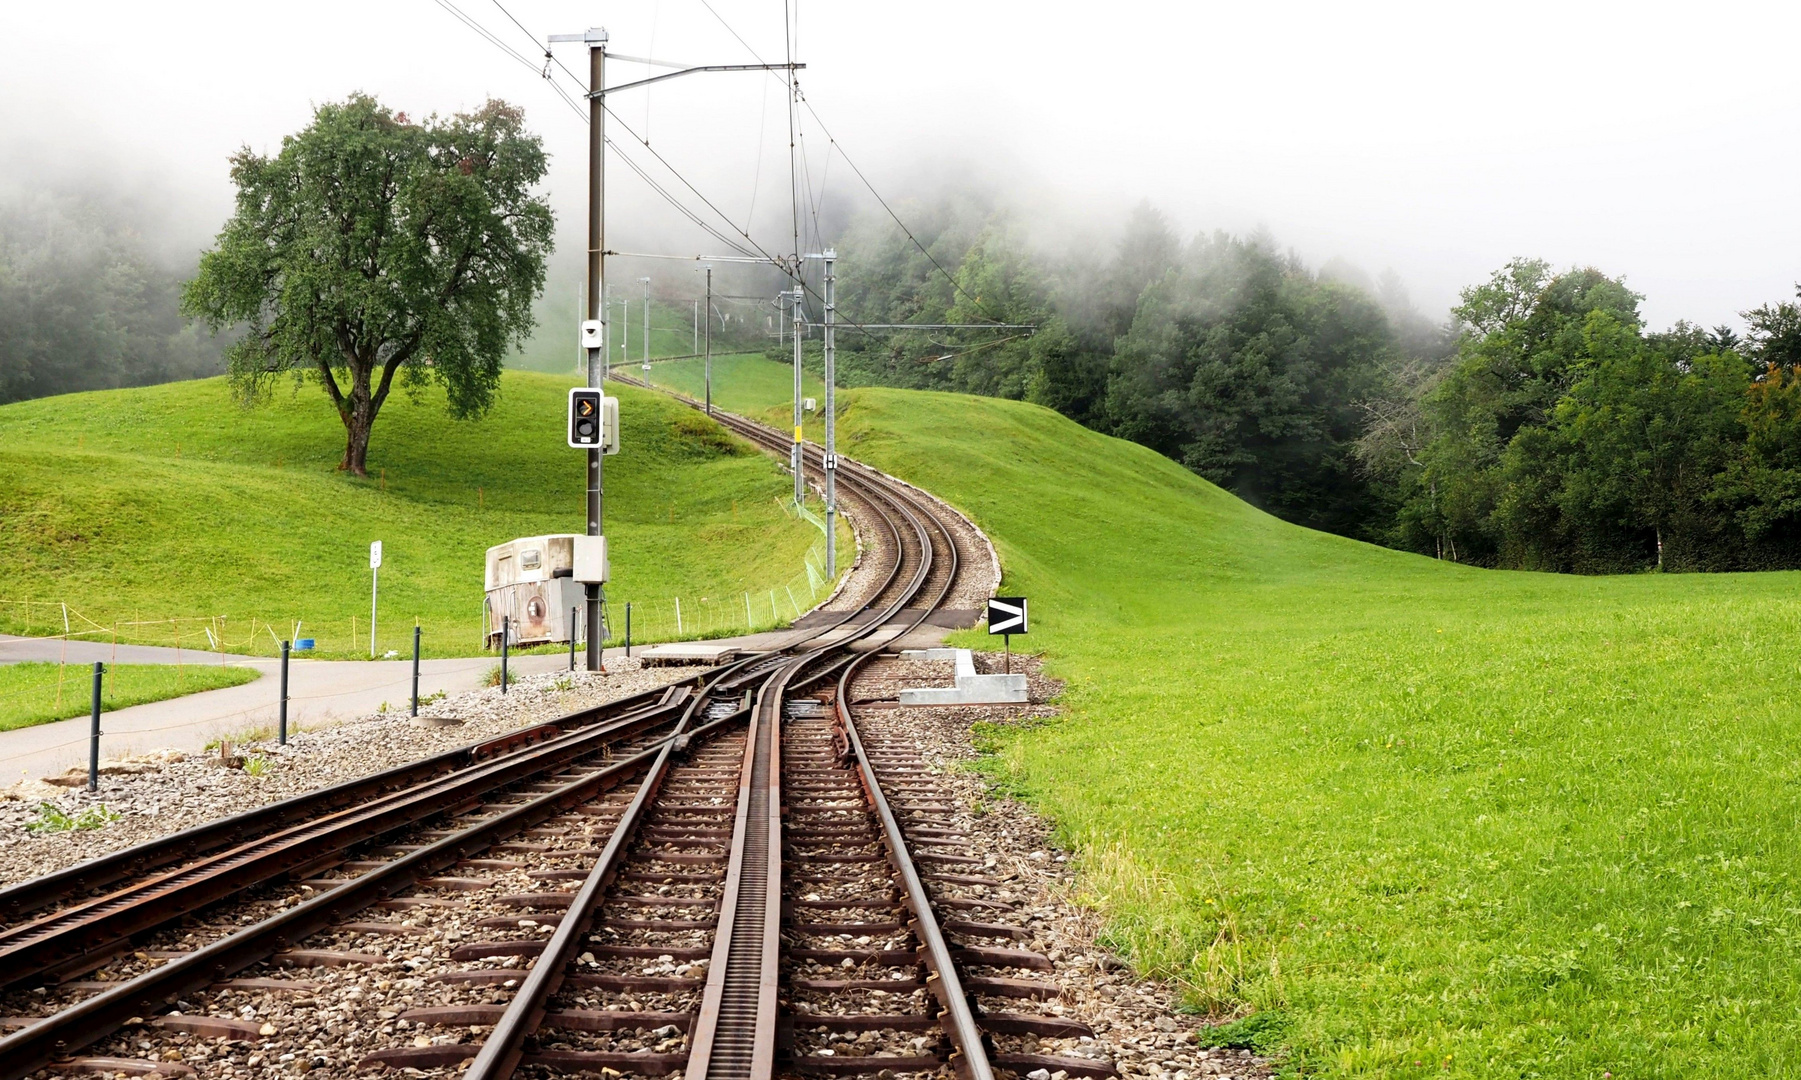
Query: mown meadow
point(167, 507)
point(1422, 819)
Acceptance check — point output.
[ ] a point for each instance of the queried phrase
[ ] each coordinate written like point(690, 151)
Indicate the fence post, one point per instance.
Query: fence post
point(282, 731)
point(572, 617)
point(415, 670)
point(628, 628)
point(506, 632)
point(679, 632)
point(94, 733)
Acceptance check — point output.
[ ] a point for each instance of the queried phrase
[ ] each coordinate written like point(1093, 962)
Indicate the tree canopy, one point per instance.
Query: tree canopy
point(373, 246)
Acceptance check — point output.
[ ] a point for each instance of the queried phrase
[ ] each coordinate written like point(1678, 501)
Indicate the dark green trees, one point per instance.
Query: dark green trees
point(1564, 437)
point(1249, 370)
point(373, 246)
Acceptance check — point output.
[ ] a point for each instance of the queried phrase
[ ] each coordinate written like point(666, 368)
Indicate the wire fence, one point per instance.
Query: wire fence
point(748, 611)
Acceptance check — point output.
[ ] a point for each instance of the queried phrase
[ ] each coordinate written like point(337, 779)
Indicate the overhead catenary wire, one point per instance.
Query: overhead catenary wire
point(832, 140)
point(792, 267)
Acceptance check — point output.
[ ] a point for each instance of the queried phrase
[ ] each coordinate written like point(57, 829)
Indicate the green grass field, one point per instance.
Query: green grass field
point(38, 693)
point(748, 383)
point(1430, 820)
point(159, 509)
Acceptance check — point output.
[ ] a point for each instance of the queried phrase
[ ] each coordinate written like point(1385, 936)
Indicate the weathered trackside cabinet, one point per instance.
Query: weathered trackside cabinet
point(531, 582)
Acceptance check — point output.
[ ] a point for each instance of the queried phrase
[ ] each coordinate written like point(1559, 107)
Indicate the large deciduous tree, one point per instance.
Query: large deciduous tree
point(373, 246)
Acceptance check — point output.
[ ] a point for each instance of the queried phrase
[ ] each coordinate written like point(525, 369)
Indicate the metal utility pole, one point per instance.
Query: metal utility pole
point(625, 329)
point(831, 420)
point(794, 458)
point(709, 339)
point(596, 40)
point(646, 282)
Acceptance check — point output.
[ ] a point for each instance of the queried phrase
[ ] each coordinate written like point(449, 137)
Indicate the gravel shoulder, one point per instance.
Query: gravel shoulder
point(163, 792)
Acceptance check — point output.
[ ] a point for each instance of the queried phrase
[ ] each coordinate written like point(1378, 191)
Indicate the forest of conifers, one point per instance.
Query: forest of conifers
point(1541, 426)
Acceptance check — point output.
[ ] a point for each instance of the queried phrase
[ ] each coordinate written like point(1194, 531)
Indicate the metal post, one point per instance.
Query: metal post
point(597, 270)
point(415, 671)
point(831, 421)
point(281, 730)
point(709, 341)
point(94, 733)
point(646, 282)
point(374, 591)
point(696, 346)
point(1007, 644)
point(572, 618)
point(506, 632)
point(628, 628)
point(794, 457)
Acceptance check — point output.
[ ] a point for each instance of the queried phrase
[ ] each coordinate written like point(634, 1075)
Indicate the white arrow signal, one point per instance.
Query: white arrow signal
point(1006, 616)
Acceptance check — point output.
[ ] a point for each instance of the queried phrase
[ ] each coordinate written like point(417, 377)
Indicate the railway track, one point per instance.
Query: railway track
point(724, 879)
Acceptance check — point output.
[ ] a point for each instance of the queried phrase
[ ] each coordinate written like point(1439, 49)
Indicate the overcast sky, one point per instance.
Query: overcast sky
point(1655, 141)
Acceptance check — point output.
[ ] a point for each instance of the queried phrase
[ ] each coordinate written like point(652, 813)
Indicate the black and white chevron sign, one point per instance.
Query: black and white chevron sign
point(1007, 615)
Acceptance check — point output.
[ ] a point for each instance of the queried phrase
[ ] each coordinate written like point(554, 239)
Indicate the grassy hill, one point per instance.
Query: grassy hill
point(1430, 820)
point(172, 502)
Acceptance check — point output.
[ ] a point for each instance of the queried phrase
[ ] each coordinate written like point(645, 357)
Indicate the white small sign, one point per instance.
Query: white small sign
point(375, 555)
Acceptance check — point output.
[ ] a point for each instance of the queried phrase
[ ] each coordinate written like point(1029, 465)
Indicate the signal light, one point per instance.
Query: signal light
point(593, 421)
point(584, 418)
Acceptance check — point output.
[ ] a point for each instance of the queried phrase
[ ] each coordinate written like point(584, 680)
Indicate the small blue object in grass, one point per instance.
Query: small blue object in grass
point(303, 643)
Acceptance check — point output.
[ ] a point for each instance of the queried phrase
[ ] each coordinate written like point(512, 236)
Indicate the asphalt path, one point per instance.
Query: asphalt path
point(320, 692)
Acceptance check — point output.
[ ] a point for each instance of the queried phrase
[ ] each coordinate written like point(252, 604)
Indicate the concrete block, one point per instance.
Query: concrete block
point(930, 654)
point(971, 688)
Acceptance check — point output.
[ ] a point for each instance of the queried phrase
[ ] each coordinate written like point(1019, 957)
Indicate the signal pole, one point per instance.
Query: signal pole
point(831, 419)
point(596, 40)
point(646, 282)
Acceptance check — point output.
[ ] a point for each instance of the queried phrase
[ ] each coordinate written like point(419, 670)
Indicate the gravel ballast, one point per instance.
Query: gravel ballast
point(164, 792)
point(1137, 1022)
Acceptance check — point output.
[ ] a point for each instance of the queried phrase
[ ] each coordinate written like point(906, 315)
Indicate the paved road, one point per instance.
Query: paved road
point(321, 691)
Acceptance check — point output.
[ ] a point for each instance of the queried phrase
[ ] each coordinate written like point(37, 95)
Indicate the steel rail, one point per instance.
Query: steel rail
point(733, 1033)
point(92, 930)
point(502, 1049)
point(732, 992)
point(36, 1046)
point(59, 887)
point(969, 1054)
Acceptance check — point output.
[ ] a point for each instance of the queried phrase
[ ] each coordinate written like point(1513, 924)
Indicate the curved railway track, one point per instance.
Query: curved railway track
point(725, 879)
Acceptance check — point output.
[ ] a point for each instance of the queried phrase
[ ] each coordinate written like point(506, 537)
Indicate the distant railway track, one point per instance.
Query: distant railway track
point(725, 878)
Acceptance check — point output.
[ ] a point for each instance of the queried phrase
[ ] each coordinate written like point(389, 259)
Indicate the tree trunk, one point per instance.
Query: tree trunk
point(356, 443)
point(358, 412)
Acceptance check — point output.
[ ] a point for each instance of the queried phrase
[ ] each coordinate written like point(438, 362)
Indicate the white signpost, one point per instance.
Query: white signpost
point(374, 590)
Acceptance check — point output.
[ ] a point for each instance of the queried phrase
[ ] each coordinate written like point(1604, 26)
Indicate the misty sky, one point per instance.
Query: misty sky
point(1657, 141)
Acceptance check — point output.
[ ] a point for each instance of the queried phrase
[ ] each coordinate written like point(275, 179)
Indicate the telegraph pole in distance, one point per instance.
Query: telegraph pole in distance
point(831, 419)
point(709, 339)
point(794, 459)
point(596, 40)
